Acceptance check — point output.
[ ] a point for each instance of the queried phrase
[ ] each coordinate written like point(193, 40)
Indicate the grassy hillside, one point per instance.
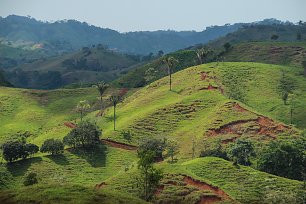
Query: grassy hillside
point(196, 106)
point(282, 53)
point(84, 66)
point(212, 178)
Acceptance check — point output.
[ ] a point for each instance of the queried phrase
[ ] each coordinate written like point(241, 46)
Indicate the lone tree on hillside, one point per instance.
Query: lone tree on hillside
point(286, 87)
point(101, 87)
point(203, 53)
point(84, 135)
point(149, 177)
point(172, 149)
point(53, 146)
point(82, 108)
point(115, 99)
point(171, 63)
point(227, 46)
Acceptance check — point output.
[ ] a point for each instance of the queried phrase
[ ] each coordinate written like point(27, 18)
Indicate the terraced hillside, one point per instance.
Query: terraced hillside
point(199, 106)
point(208, 103)
point(282, 53)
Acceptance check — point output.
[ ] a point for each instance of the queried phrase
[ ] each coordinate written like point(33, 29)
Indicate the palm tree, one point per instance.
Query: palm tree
point(115, 100)
point(82, 107)
point(203, 53)
point(170, 62)
point(101, 87)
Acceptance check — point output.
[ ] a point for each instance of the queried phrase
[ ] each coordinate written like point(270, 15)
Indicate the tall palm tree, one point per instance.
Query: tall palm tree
point(82, 108)
point(203, 53)
point(171, 63)
point(101, 87)
point(115, 99)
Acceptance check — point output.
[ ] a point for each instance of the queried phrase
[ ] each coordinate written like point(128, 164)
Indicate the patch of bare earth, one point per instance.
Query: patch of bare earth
point(101, 185)
point(210, 194)
point(118, 144)
point(260, 126)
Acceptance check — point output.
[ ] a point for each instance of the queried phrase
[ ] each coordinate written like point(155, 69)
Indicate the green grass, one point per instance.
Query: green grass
point(283, 53)
point(188, 111)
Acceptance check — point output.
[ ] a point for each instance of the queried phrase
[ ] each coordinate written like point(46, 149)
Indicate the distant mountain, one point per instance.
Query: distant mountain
point(84, 66)
point(68, 35)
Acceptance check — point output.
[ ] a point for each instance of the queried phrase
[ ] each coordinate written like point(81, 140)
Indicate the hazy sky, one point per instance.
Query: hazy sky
point(132, 15)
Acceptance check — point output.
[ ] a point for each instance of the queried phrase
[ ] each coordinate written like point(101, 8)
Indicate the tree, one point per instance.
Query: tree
point(101, 87)
point(241, 151)
point(53, 146)
point(31, 149)
point(30, 179)
point(155, 145)
point(150, 75)
point(274, 37)
point(227, 46)
point(85, 134)
point(286, 87)
point(298, 36)
point(171, 63)
point(115, 100)
point(202, 54)
point(82, 108)
point(214, 150)
point(172, 149)
point(286, 159)
point(149, 177)
point(14, 150)
point(160, 53)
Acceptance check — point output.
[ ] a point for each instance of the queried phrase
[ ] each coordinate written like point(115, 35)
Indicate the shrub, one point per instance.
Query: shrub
point(241, 151)
point(53, 146)
point(30, 179)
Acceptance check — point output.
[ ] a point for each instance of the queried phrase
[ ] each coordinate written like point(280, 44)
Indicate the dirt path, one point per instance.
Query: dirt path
point(70, 124)
point(118, 144)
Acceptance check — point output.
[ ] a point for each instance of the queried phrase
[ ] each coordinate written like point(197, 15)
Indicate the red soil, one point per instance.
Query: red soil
point(118, 144)
point(70, 124)
point(204, 75)
point(204, 186)
point(210, 87)
point(239, 108)
point(159, 190)
point(101, 185)
point(209, 199)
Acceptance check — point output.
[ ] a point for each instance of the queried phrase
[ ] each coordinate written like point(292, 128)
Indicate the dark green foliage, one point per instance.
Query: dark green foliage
point(286, 159)
point(3, 81)
point(286, 86)
point(227, 46)
point(274, 37)
point(84, 135)
point(241, 151)
point(14, 150)
point(149, 177)
point(101, 87)
point(30, 179)
point(155, 145)
point(214, 150)
point(52, 146)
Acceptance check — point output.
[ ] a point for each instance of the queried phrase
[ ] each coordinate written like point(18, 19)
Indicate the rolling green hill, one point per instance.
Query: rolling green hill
point(208, 103)
point(282, 53)
point(84, 66)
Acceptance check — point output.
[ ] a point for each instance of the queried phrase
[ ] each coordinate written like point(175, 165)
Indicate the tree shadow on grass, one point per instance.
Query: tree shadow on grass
point(95, 155)
point(59, 159)
point(20, 167)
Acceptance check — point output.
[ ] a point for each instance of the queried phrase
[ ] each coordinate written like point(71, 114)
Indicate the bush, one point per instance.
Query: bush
point(214, 150)
point(53, 146)
point(30, 179)
point(154, 145)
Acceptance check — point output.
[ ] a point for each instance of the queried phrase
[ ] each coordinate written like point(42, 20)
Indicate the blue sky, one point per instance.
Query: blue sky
point(134, 15)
